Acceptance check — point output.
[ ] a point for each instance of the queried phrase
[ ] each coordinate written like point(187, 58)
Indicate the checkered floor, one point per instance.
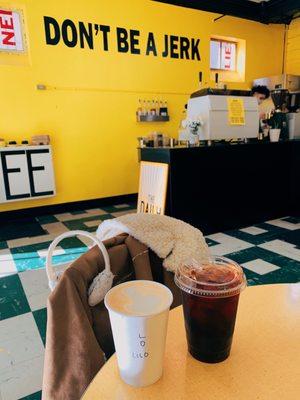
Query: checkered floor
point(269, 253)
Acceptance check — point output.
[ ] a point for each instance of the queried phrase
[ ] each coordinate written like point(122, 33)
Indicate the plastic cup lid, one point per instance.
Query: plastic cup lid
point(218, 277)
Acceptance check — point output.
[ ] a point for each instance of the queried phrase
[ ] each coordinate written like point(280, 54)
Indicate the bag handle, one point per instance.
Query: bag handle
point(50, 269)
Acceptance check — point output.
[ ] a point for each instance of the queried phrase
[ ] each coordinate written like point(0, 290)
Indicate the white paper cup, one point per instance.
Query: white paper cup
point(274, 135)
point(138, 312)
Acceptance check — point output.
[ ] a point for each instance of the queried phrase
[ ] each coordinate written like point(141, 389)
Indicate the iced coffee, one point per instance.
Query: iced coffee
point(210, 296)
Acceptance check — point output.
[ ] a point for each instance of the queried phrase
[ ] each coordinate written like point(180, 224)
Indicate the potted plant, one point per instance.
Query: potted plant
point(192, 126)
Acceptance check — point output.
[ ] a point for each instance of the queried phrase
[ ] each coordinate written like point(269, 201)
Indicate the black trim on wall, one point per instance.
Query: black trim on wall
point(243, 9)
point(7, 216)
point(282, 11)
point(266, 12)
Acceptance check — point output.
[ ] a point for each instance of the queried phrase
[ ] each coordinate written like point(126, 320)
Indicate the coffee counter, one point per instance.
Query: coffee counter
point(227, 186)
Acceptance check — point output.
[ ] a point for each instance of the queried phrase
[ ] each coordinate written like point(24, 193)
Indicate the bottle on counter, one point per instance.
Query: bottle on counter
point(140, 109)
point(163, 109)
point(158, 139)
point(157, 107)
point(160, 105)
point(151, 140)
point(142, 142)
point(144, 107)
point(166, 107)
point(148, 107)
point(152, 109)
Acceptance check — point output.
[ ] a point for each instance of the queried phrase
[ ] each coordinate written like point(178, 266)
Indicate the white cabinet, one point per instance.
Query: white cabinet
point(26, 172)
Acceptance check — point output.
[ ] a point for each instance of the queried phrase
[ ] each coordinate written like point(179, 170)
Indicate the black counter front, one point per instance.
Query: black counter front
point(223, 187)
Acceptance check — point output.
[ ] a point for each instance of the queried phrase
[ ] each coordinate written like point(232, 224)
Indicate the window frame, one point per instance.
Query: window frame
point(212, 39)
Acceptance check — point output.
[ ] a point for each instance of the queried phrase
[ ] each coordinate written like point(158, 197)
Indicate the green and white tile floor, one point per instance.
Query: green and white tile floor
point(269, 253)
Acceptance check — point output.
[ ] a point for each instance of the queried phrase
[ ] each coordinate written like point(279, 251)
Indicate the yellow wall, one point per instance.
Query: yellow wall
point(89, 109)
point(293, 48)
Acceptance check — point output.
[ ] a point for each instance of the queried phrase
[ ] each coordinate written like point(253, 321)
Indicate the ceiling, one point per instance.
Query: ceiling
point(266, 12)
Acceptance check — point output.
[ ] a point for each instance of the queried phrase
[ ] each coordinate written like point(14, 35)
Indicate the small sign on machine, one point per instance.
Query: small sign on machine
point(236, 111)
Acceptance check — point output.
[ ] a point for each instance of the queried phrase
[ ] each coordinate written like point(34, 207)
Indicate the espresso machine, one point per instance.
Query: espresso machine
point(211, 104)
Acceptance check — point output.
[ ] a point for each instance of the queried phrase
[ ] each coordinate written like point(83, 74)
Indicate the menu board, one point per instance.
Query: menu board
point(152, 187)
point(236, 111)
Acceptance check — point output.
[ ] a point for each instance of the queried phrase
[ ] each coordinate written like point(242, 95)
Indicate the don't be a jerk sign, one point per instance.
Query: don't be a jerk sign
point(11, 37)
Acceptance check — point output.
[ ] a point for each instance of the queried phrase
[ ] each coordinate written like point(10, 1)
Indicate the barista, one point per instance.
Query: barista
point(261, 93)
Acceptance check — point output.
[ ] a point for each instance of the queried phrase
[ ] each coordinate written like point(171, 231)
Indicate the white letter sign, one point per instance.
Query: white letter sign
point(152, 188)
point(11, 37)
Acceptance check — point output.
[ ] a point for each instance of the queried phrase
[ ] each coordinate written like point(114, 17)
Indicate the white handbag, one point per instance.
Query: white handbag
point(101, 283)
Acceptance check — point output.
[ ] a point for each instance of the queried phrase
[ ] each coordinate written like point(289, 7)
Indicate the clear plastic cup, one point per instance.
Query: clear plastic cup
point(210, 296)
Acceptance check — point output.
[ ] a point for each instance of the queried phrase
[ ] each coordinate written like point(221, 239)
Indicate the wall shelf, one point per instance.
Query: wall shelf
point(153, 118)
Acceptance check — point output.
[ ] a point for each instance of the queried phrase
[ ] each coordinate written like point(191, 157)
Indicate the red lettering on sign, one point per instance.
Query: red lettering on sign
point(7, 38)
point(7, 28)
point(5, 12)
point(8, 24)
point(227, 56)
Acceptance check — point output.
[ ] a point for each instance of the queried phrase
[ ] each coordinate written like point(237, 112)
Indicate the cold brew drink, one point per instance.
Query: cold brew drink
point(210, 296)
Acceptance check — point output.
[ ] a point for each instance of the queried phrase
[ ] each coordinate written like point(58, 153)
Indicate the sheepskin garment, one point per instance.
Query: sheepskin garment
point(171, 239)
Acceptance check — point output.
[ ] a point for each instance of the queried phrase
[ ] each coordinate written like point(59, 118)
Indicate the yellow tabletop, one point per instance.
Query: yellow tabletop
point(264, 363)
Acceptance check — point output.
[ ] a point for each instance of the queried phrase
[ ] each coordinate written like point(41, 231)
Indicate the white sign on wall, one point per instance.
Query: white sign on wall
point(152, 188)
point(228, 56)
point(223, 55)
point(11, 35)
point(26, 172)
